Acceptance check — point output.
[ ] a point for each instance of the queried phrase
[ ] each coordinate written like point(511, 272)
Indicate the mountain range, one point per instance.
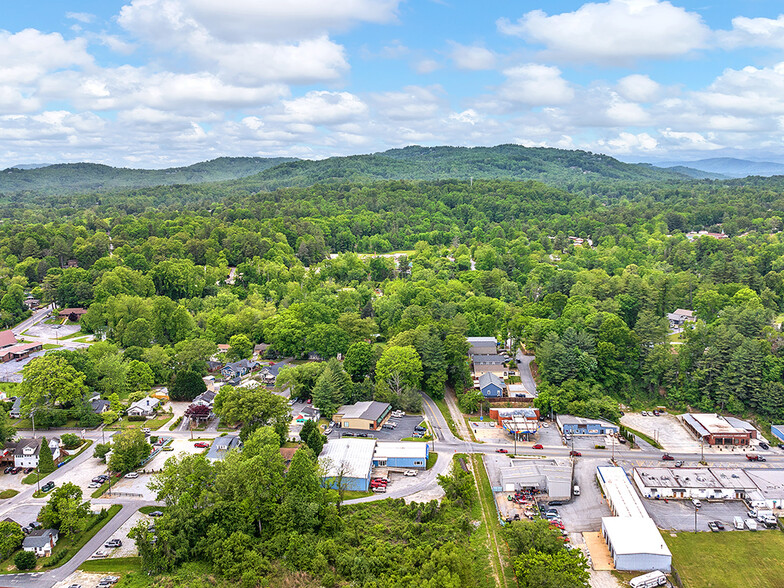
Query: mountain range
point(727, 167)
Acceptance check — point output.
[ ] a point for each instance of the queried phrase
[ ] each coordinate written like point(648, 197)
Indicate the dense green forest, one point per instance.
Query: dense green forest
point(392, 275)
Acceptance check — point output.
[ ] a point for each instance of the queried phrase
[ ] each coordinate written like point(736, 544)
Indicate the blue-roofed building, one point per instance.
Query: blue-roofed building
point(581, 426)
point(221, 446)
point(270, 372)
point(404, 454)
point(778, 432)
point(491, 385)
point(238, 368)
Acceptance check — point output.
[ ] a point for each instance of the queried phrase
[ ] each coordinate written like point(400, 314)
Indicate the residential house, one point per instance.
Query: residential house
point(482, 345)
point(17, 352)
point(41, 542)
point(72, 314)
point(209, 382)
point(680, 317)
point(144, 407)
point(32, 303)
point(100, 406)
point(213, 366)
point(309, 413)
point(491, 385)
point(270, 372)
point(260, 350)
point(489, 363)
point(221, 446)
point(27, 452)
point(238, 368)
point(206, 398)
point(16, 409)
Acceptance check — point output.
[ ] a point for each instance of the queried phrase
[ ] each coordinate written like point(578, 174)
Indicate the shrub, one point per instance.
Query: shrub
point(154, 439)
point(134, 417)
point(56, 559)
point(70, 441)
point(175, 424)
point(25, 560)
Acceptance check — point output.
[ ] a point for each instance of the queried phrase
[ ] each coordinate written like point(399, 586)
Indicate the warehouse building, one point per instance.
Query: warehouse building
point(348, 463)
point(362, 415)
point(482, 345)
point(778, 432)
point(686, 483)
point(573, 425)
point(631, 535)
point(769, 487)
point(715, 429)
point(552, 476)
point(408, 455)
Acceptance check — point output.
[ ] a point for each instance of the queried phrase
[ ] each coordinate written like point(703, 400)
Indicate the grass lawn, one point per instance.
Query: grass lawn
point(124, 423)
point(9, 493)
point(113, 565)
point(148, 509)
point(441, 404)
point(431, 461)
point(351, 494)
point(644, 437)
point(27, 424)
point(51, 346)
point(729, 559)
point(423, 439)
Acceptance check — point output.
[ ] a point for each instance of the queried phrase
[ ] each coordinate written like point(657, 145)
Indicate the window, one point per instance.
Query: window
point(418, 462)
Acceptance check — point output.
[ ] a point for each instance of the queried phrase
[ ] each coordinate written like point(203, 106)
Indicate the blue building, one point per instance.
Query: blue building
point(491, 385)
point(404, 454)
point(348, 463)
point(573, 425)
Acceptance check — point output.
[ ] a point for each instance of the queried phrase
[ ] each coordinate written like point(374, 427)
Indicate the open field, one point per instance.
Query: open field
point(728, 560)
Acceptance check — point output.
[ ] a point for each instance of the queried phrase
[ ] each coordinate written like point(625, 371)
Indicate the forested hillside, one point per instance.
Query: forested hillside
point(67, 178)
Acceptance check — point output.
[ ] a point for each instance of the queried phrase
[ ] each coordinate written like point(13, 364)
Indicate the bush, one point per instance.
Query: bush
point(175, 424)
point(70, 441)
point(56, 559)
point(25, 560)
point(134, 417)
point(154, 439)
point(90, 419)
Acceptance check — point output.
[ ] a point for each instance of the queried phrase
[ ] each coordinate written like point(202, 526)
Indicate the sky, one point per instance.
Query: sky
point(162, 83)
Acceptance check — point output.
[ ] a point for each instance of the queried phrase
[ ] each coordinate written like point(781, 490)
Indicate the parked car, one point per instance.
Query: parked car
point(667, 457)
point(132, 475)
point(502, 451)
point(94, 485)
point(15, 471)
point(379, 488)
point(328, 430)
point(764, 445)
point(719, 525)
point(644, 413)
point(113, 543)
point(8, 470)
point(29, 470)
point(146, 430)
point(410, 473)
point(36, 525)
point(575, 453)
point(538, 446)
point(310, 401)
point(656, 413)
point(696, 503)
point(555, 503)
point(780, 445)
point(100, 554)
point(156, 513)
point(108, 581)
point(46, 487)
point(75, 586)
point(201, 445)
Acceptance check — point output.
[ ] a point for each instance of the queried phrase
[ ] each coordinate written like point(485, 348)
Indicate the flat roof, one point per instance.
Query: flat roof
point(401, 449)
point(632, 535)
point(522, 471)
point(770, 482)
point(678, 478)
point(620, 493)
point(736, 478)
point(567, 419)
point(712, 424)
point(353, 456)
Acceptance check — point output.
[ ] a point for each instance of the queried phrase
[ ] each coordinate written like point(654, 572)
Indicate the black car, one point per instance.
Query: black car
point(555, 503)
point(156, 513)
point(8, 470)
point(780, 445)
point(764, 445)
point(36, 525)
point(719, 525)
point(46, 487)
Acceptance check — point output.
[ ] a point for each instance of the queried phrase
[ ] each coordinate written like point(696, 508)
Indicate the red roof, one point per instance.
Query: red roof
point(7, 338)
point(73, 311)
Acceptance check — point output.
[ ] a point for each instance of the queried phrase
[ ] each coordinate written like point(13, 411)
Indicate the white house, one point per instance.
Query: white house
point(41, 542)
point(27, 452)
point(144, 407)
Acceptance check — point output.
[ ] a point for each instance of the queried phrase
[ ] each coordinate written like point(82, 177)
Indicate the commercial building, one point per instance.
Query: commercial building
point(482, 345)
point(634, 541)
point(72, 314)
point(686, 483)
point(17, 352)
point(362, 415)
point(769, 487)
point(553, 476)
point(573, 425)
point(348, 463)
point(519, 391)
point(409, 455)
point(715, 429)
point(491, 385)
point(500, 415)
point(778, 432)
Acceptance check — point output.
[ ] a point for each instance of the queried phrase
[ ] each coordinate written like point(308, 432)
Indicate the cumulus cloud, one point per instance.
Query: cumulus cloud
point(617, 31)
point(321, 108)
point(638, 88)
point(749, 91)
point(426, 66)
point(29, 54)
point(472, 57)
point(534, 84)
point(754, 32)
point(413, 103)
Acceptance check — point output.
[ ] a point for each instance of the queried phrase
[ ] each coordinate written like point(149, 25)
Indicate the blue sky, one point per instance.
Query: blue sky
point(158, 83)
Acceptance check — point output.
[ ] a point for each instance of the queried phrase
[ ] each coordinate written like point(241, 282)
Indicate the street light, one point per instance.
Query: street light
point(696, 508)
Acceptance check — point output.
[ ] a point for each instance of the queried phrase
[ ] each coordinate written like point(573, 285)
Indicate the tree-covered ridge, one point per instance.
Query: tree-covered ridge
point(66, 178)
point(508, 162)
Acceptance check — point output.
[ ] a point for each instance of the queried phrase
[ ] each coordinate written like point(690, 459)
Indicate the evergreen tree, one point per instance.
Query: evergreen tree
point(45, 459)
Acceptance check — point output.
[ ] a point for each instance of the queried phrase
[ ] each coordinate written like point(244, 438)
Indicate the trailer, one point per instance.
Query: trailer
point(649, 580)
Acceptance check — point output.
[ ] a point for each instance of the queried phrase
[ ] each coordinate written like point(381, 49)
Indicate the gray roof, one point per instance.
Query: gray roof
point(207, 397)
point(98, 405)
point(488, 359)
point(22, 443)
point(146, 403)
point(39, 538)
point(221, 445)
point(490, 378)
point(369, 410)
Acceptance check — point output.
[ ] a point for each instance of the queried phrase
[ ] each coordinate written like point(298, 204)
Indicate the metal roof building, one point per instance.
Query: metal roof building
point(368, 415)
point(403, 454)
point(547, 475)
point(714, 429)
point(583, 426)
point(348, 462)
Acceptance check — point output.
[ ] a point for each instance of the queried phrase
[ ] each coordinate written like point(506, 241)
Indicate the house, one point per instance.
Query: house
point(17, 352)
point(238, 368)
point(489, 363)
point(209, 382)
point(260, 349)
point(573, 425)
point(223, 347)
point(7, 338)
point(32, 303)
point(72, 314)
point(309, 413)
point(222, 445)
point(347, 463)
point(404, 454)
point(213, 366)
point(482, 346)
point(16, 408)
point(100, 406)
point(27, 452)
point(680, 317)
point(491, 385)
point(206, 398)
point(41, 542)
point(362, 415)
point(144, 407)
point(270, 372)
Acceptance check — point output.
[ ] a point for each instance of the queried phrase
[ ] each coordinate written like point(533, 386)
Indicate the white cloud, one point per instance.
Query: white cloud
point(749, 91)
point(754, 32)
point(638, 88)
point(426, 66)
point(117, 45)
point(413, 103)
point(533, 84)
point(626, 143)
point(617, 31)
point(690, 140)
point(321, 108)
point(84, 17)
point(29, 54)
point(472, 57)
point(469, 116)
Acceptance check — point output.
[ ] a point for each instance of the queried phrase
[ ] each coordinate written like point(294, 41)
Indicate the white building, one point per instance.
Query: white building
point(348, 462)
point(41, 542)
point(27, 452)
point(686, 483)
point(546, 475)
point(144, 407)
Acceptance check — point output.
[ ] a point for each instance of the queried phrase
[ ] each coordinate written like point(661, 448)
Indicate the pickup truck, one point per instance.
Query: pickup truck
point(754, 457)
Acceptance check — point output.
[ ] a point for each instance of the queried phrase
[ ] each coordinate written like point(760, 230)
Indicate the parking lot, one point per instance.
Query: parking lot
point(678, 515)
point(666, 429)
point(52, 331)
point(405, 428)
point(585, 512)
point(179, 446)
point(11, 371)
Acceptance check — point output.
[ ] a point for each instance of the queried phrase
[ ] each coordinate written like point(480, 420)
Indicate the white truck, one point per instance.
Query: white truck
point(751, 524)
point(767, 518)
point(649, 580)
point(738, 523)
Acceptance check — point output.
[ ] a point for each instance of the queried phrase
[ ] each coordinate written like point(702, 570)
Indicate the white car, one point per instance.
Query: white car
point(132, 475)
point(146, 430)
point(410, 473)
point(93, 485)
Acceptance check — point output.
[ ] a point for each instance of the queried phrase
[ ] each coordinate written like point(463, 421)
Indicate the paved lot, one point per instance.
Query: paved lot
point(180, 446)
point(85, 579)
point(488, 431)
point(134, 486)
point(83, 475)
point(585, 512)
point(25, 513)
point(52, 331)
point(128, 548)
point(679, 514)
point(12, 370)
point(666, 429)
point(405, 428)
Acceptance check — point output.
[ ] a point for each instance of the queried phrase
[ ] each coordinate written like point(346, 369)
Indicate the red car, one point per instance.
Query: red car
point(201, 445)
point(667, 457)
point(501, 451)
point(310, 401)
point(575, 454)
point(538, 446)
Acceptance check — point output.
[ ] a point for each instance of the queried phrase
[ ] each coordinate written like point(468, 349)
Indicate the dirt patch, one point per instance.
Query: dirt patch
point(600, 553)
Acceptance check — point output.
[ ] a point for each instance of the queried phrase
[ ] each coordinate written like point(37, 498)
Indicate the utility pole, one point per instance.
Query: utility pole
point(696, 508)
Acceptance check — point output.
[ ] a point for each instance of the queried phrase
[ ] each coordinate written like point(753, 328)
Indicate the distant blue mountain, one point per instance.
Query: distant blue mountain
point(729, 166)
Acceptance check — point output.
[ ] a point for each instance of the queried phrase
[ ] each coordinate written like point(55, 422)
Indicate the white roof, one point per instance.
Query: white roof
point(620, 493)
point(630, 536)
point(402, 449)
point(353, 456)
